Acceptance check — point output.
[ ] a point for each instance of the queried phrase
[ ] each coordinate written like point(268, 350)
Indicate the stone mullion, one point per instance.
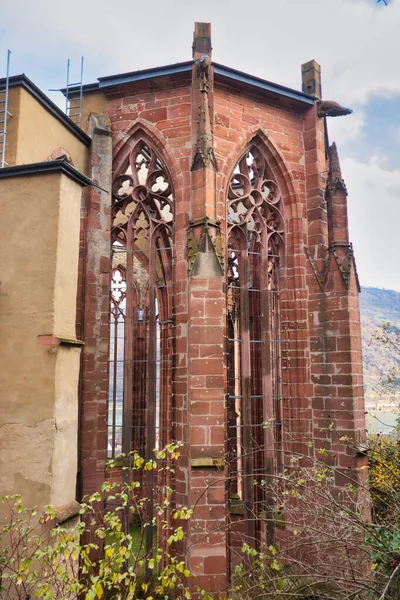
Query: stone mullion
point(246, 410)
point(129, 346)
point(233, 430)
point(268, 337)
point(151, 391)
point(137, 385)
point(276, 333)
point(256, 374)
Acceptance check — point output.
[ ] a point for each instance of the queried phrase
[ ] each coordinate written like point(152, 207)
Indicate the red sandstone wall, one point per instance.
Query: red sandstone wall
point(321, 353)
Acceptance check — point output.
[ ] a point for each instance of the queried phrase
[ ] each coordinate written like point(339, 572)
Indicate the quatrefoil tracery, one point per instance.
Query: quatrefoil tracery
point(142, 195)
point(255, 201)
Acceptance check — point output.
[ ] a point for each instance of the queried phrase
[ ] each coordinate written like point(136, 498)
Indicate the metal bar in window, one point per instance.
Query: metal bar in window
point(117, 249)
point(148, 361)
point(151, 399)
point(254, 425)
point(251, 289)
point(238, 251)
point(139, 360)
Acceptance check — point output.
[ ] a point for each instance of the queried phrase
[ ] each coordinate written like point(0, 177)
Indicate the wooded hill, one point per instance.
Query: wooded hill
point(377, 306)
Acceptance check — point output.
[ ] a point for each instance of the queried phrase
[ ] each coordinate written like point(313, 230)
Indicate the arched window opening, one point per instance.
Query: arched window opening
point(116, 381)
point(255, 239)
point(141, 334)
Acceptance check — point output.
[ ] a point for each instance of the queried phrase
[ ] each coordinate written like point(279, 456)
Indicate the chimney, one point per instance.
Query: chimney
point(311, 78)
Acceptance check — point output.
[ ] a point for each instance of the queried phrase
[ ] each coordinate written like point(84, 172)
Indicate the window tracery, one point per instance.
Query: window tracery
point(141, 304)
point(255, 240)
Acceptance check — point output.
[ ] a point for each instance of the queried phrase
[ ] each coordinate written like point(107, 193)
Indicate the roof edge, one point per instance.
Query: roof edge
point(24, 81)
point(121, 78)
point(49, 166)
point(183, 67)
point(264, 84)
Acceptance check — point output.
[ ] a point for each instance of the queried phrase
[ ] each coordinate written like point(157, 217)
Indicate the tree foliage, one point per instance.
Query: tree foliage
point(38, 559)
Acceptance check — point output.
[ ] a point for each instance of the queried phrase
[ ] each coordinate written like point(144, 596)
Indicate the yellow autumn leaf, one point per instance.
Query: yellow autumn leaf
point(99, 589)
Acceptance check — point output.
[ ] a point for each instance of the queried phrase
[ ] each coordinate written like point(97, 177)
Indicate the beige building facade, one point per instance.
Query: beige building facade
point(41, 199)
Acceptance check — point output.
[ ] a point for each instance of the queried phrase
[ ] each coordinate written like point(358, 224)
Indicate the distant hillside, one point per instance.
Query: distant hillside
point(377, 306)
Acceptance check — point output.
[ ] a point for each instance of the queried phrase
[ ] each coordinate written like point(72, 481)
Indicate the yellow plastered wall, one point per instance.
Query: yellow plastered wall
point(39, 243)
point(39, 133)
point(14, 100)
point(93, 103)
point(66, 275)
point(65, 448)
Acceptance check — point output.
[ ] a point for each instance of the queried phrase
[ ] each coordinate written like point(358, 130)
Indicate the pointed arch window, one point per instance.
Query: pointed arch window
point(141, 304)
point(255, 242)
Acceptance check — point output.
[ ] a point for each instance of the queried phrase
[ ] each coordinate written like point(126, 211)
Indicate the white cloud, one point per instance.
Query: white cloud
point(346, 129)
point(374, 216)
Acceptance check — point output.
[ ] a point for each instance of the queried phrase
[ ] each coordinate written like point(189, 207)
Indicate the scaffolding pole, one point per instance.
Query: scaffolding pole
point(73, 101)
point(4, 113)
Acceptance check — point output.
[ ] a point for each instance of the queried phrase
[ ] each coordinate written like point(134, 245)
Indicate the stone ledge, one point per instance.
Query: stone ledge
point(54, 341)
point(65, 512)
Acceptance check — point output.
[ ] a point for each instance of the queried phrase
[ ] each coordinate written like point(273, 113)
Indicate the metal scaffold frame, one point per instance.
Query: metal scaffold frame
point(73, 102)
point(4, 113)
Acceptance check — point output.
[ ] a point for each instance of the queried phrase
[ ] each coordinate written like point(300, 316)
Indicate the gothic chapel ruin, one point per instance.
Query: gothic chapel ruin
point(177, 267)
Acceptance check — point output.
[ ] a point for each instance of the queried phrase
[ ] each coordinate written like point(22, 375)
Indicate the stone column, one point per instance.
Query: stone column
point(93, 434)
point(206, 332)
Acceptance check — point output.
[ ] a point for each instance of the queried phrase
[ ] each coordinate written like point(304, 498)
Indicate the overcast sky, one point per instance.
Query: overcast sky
point(355, 41)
